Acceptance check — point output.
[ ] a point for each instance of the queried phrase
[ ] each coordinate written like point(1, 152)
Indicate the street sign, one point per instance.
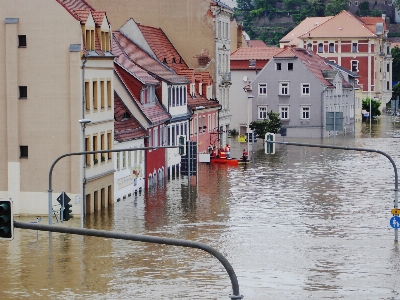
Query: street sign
point(395, 211)
point(395, 222)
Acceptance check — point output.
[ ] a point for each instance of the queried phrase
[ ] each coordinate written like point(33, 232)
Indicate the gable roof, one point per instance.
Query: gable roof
point(155, 114)
point(256, 43)
point(292, 38)
point(162, 47)
point(145, 61)
point(314, 63)
point(241, 57)
point(125, 129)
point(344, 25)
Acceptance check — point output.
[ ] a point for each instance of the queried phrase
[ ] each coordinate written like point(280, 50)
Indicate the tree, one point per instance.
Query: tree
point(374, 105)
point(396, 91)
point(336, 6)
point(396, 64)
point(272, 124)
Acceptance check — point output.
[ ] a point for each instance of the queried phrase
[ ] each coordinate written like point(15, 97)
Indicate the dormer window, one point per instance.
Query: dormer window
point(125, 116)
point(193, 89)
point(89, 40)
point(105, 41)
point(147, 94)
point(252, 63)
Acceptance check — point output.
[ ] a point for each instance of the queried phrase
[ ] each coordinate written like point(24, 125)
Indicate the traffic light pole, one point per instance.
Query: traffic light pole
point(141, 238)
point(396, 184)
point(50, 190)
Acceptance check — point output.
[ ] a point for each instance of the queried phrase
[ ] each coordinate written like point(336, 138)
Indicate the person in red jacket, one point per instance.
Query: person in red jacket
point(245, 155)
point(228, 151)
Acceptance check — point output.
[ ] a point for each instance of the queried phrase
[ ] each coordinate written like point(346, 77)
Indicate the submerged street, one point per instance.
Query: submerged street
point(304, 223)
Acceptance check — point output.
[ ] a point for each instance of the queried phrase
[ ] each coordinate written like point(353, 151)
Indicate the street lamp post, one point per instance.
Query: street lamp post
point(370, 110)
point(83, 200)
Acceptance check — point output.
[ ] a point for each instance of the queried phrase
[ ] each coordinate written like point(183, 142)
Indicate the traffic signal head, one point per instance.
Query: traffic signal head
point(67, 212)
point(6, 220)
point(182, 144)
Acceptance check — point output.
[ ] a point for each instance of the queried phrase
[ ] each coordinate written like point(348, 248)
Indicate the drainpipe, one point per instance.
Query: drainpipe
point(83, 205)
point(322, 111)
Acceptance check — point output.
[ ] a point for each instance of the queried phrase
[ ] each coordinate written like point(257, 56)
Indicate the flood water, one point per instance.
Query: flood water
point(305, 223)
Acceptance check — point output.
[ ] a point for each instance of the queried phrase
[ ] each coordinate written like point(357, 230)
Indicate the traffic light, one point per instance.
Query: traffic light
point(67, 209)
point(269, 147)
point(182, 144)
point(6, 220)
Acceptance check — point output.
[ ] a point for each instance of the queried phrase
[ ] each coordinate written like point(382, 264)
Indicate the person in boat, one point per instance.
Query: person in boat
point(228, 151)
point(213, 153)
point(245, 155)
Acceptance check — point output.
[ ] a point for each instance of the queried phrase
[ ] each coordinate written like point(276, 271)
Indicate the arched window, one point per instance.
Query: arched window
point(320, 48)
point(331, 47)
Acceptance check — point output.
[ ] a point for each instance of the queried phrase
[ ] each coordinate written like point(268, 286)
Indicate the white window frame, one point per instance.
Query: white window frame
point(331, 47)
point(351, 66)
point(262, 111)
point(284, 88)
point(305, 112)
point(305, 89)
point(262, 89)
point(284, 112)
point(320, 48)
point(352, 47)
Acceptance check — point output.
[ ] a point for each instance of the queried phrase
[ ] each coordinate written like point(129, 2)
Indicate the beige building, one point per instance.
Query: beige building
point(203, 32)
point(54, 55)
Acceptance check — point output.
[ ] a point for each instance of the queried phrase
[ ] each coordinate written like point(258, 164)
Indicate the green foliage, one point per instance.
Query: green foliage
point(364, 5)
point(374, 105)
point(396, 4)
point(234, 132)
point(376, 13)
point(396, 63)
point(396, 91)
point(335, 7)
point(272, 124)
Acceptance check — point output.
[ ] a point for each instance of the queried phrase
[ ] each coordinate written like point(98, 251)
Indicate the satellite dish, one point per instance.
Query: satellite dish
point(244, 78)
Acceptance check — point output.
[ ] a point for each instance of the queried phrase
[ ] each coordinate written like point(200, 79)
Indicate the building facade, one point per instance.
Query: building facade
point(58, 70)
point(302, 87)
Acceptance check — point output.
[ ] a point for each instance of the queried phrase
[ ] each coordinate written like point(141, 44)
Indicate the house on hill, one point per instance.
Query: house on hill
point(359, 44)
point(302, 87)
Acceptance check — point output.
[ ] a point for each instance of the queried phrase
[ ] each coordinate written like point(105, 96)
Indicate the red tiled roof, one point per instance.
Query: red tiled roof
point(162, 47)
point(145, 61)
point(259, 53)
point(256, 43)
point(75, 5)
point(194, 102)
point(125, 129)
point(123, 61)
point(154, 113)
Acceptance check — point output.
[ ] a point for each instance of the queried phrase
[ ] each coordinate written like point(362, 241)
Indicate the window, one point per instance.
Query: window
point(305, 112)
point(22, 41)
point(117, 160)
point(354, 65)
point(356, 3)
point(284, 112)
point(388, 68)
point(252, 63)
point(290, 66)
point(23, 151)
point(87, 147)
point(305, 89)
point(320, 48)
point(87, 95)
point(284, 88)
point(109, 94)
point(387, 86)
point(354, 48)
point(102, 146)
point(95, 95)
point(262, 89)
point(278, 66)
point(23, 92)
point(331, 47)
point(123, 159)
point(309, 46)
point(262, 112)
point(109, 144)
point(95, 156)
point(350, 3)
point(102, 96)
